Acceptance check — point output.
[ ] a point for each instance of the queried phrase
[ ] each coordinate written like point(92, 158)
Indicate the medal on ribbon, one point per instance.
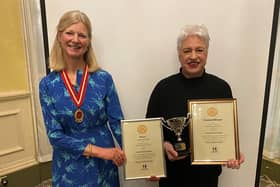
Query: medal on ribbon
point(77, 98)
point(79, 115)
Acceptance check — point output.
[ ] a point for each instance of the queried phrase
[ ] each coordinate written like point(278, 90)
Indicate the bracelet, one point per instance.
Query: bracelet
point(89, 149)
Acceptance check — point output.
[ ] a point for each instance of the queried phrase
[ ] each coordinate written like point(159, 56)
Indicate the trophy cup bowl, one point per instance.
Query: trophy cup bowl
point(177, 125)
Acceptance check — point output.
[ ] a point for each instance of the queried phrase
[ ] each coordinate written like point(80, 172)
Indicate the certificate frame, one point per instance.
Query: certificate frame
point(213, 131)
point(142, 141)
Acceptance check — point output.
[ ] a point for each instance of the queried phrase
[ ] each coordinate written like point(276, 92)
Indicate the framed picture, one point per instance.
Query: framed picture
point(143, 146)
point(213, 131)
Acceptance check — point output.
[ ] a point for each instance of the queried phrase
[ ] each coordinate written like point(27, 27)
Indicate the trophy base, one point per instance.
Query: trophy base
point(181, 149)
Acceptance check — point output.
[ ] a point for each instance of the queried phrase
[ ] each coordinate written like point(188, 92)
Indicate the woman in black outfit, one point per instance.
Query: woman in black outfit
point(169, 99)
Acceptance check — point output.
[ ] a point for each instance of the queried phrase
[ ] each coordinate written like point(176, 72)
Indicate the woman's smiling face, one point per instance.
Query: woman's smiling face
point(74, 41)
point(193, 56)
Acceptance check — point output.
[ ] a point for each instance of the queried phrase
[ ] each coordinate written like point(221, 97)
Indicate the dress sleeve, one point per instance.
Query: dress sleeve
point(113, 109)
point(54, 129)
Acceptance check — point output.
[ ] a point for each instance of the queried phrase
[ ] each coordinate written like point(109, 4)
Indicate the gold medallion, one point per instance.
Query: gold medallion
point(77, 98)
point(79, 116)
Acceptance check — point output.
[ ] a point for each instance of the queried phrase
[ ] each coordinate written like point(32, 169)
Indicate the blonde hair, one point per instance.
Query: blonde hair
point(193, 30)
point(56, 57)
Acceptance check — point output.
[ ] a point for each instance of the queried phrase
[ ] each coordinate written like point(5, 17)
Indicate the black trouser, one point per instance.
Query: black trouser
point(183, 174)
point(184, 182)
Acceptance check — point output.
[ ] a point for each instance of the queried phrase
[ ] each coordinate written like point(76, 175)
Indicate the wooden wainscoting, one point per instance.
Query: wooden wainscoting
point(17, 141)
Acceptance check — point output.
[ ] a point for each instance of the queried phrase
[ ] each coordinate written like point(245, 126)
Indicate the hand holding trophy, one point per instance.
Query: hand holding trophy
point(177, 125)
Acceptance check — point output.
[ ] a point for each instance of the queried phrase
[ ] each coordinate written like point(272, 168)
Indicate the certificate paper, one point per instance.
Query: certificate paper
point(143, 146)
point(213, 131)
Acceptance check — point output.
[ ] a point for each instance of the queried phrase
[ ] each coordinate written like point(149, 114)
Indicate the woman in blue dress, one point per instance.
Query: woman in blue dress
point(81, 110)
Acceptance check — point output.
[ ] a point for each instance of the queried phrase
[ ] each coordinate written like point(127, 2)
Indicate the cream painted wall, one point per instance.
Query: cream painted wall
point(17, 139)
point(136, 42)
point(13, 71)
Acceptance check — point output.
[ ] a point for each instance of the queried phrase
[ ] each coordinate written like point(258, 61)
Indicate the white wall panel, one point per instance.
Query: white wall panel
point(136, 42)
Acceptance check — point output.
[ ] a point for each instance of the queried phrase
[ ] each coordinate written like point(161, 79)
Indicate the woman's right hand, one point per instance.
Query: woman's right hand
point(171, 152)
point(115, 154)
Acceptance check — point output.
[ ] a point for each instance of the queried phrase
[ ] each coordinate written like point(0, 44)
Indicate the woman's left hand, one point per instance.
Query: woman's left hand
point(235, 164)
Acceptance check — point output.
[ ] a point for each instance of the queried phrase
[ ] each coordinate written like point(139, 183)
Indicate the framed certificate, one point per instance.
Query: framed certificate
point(213, 131)
point(143, 146)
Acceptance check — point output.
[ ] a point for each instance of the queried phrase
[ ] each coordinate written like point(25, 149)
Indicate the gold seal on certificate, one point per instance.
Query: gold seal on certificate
point(143, 146)
point(213, 131)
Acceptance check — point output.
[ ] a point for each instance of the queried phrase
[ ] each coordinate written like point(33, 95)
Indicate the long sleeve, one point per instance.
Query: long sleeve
point(113, 109)
point(55, 131)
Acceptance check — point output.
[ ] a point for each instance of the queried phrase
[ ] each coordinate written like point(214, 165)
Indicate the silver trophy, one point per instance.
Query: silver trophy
point(177, 125)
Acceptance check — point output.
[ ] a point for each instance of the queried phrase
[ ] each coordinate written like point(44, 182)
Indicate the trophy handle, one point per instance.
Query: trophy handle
point(188, 119)
point(164, 124)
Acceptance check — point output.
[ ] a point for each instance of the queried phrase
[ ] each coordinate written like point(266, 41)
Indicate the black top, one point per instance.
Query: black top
point(169, 99)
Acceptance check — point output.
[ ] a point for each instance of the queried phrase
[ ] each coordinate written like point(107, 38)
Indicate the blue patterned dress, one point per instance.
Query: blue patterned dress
point(69, 139)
